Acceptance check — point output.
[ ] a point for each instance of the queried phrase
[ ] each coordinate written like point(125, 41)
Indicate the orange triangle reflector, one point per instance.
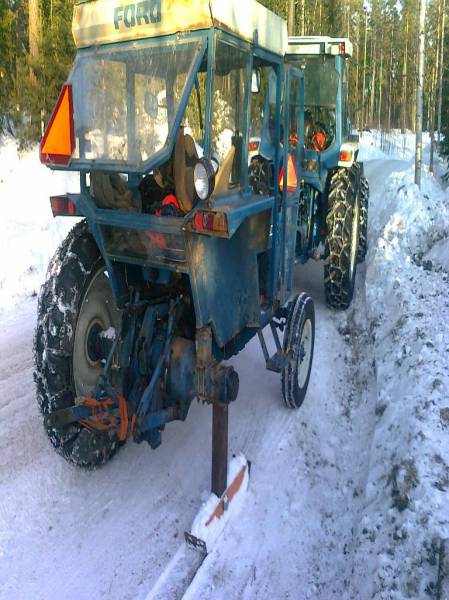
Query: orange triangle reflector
point(292, 178)
point(58, 143)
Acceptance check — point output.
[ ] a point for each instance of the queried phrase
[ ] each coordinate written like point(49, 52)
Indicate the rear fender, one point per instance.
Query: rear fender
point(349, 152)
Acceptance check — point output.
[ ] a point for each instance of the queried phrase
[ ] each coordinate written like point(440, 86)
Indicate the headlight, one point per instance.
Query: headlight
point(204, 178)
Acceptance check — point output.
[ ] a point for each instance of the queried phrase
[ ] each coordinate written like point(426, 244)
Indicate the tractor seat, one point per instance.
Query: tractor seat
point(176, 175)
point(224, 172)
point(185, 159)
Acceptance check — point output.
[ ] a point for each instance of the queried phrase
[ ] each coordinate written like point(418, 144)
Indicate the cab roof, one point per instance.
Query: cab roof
point(97, 22)
point(315, 45)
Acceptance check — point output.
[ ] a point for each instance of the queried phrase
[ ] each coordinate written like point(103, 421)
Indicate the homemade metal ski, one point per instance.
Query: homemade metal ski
point(217, 511)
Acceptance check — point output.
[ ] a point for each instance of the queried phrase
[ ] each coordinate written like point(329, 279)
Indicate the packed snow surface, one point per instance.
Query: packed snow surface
point(348, 496)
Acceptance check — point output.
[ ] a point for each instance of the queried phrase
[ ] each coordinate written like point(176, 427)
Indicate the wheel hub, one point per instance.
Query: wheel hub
point(93, 345)
point(97, 313)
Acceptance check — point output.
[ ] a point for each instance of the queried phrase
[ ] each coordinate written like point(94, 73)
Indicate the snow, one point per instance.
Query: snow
point(405, 520)
point(109, 334)
point(348, 496)
point(30, 235)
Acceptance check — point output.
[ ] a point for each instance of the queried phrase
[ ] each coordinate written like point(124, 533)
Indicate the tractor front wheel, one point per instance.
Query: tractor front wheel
point(342, 238)
point(299, 342)
point(75, 304)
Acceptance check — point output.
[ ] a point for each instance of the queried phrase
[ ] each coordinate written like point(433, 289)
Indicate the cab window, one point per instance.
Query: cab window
point(228, 113)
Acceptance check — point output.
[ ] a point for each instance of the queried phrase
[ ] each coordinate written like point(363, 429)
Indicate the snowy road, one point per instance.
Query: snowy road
point(67, 534)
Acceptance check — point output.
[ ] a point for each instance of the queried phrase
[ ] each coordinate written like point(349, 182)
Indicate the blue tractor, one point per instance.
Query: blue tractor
point(333, 213)
point(183, 254)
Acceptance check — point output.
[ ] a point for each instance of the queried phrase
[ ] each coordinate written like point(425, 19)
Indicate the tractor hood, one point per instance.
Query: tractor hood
point(101, 22)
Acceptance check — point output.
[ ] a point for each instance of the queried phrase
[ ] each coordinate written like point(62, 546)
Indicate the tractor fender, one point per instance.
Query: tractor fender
point(349, 152)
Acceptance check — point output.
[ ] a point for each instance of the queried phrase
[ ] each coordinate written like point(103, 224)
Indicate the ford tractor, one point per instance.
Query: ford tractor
point(182, 253)
point(333, 212)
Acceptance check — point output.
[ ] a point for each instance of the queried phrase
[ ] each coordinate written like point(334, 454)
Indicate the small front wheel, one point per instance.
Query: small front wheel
point(299, 343)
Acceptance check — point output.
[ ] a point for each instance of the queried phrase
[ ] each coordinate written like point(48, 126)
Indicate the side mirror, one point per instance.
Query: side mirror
point(255, 81)
point(151, 105)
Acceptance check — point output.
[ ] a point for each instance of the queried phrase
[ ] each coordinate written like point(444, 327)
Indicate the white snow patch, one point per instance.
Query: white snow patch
point(30, 234)
point(109, 334)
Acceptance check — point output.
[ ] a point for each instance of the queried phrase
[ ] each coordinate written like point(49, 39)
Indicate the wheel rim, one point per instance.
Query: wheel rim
point(355, 236)
point(305, 353)
point(98, 312)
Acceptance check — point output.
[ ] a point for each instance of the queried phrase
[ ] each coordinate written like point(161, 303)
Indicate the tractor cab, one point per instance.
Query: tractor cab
point(326, 116)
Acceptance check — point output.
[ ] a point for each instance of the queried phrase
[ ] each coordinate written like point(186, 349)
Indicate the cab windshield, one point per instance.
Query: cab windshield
point(126, 100)
point(321, 91)
point(321, 81)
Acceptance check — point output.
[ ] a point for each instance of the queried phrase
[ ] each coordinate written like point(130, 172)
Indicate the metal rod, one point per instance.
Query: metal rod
point(277, 341)
point(264, 346)
point(219, 449)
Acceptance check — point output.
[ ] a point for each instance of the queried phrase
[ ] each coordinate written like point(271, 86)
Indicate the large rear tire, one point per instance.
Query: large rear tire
point(299, 343)
point(75, 302)
point(342, 238)
point(364, 205)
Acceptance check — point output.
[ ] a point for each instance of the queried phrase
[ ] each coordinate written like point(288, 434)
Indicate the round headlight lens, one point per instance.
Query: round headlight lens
point(204, 178)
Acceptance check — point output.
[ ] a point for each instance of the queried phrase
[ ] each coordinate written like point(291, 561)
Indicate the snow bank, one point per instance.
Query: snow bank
point(402, 544)
point(377, 144)
point(30, 235)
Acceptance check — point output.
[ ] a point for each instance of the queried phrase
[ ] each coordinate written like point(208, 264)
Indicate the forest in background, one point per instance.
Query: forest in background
point(36, 52)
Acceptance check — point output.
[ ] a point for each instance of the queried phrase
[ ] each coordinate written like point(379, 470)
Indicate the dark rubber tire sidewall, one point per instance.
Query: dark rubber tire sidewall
point(301, 310)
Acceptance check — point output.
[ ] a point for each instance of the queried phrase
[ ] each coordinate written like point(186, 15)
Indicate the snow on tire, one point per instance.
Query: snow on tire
point(299, 343)
point(342, 238)
point(76, 264)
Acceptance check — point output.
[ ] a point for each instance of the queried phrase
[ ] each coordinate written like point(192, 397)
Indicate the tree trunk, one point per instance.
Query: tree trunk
point(34, 27)
point(432, 115)
point(390, 80)
point(440, 83)
point(404, 82)
point(364, 72)
point(33, 34)
point(302, 16)
point(373, 83)
point(379, 107)
point(419, 92)
point(357, 77)
point(291, 17)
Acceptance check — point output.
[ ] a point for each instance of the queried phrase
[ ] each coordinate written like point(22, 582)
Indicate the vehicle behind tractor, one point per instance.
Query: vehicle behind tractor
point(333, 215)
point(186, 250)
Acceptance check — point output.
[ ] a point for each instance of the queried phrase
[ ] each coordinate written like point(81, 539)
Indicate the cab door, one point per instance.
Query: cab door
point(291, 174)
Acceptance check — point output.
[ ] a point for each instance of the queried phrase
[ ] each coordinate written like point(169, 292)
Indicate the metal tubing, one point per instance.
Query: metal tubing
point(219, 448)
